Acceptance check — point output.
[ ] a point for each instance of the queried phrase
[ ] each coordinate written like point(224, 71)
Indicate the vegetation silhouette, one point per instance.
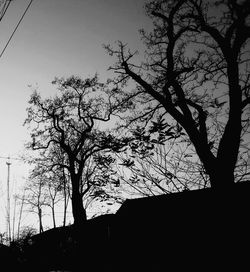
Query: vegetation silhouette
point(195, 78)
point(194, 74)
point(199, 229)
point(67, 134)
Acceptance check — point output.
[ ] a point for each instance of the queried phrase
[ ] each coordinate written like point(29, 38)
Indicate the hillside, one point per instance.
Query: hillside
point(196, 230)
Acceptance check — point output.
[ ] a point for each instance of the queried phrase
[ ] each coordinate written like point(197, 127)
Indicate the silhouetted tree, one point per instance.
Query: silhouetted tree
point(56, 186)
point(196, 74)
point(35, 198)
point(71, 121)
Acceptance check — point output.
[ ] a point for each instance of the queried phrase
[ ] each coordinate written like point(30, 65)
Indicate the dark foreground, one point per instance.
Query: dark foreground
point(190, 231)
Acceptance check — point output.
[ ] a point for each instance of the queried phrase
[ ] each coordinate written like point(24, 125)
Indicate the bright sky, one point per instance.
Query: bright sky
point(55, 38)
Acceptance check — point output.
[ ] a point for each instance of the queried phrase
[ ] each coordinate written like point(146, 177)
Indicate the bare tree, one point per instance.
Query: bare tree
point(53, 192)
point(70, 122)
point(56, 180)
point(36, 199)
point(196, 74)
point(66, 195)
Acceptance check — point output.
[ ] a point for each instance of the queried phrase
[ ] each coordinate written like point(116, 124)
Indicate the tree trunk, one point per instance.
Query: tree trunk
point(222, 177)
point(78, 210)
point(66, 198)
point(220, 172)
point(79, 213)
point(66, 201)
point(228, 149)
point(65, 211)
point(40, 220)
point(220, 169)
point(53, 215)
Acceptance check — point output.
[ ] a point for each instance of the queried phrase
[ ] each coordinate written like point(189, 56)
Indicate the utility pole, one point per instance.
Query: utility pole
point(8, 219)
point(8, 203)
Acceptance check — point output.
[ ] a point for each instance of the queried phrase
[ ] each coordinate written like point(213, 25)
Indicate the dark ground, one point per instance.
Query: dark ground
point(190, 231)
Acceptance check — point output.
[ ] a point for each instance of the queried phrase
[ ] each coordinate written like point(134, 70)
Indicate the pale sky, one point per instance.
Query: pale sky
point(55, 38)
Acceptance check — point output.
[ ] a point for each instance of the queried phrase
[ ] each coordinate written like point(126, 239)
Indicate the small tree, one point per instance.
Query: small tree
point(196, 73)
point(53, 192)
point(70, 122)
point(36, 199)
point(55, 184)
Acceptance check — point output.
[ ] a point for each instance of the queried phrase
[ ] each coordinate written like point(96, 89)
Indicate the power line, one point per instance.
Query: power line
point(19, 22)
point(10, 158)
point(4, 9)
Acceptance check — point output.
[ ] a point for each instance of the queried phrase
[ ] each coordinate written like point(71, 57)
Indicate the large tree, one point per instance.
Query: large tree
point(73, 122)
point(195, 74)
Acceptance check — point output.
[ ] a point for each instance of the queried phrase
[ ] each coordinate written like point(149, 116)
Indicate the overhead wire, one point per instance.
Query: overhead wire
point(14, 31)
point(10, 158)
point(4, 9)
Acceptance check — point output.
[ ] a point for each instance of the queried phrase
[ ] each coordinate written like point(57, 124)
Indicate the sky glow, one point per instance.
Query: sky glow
point(56, 38)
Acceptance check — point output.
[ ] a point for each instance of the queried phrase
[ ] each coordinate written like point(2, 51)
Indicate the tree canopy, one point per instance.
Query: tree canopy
point(184, 108)
point(69, 131)
point(195, 74)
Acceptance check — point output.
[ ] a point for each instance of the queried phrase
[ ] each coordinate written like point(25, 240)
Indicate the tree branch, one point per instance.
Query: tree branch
point(245, 102)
